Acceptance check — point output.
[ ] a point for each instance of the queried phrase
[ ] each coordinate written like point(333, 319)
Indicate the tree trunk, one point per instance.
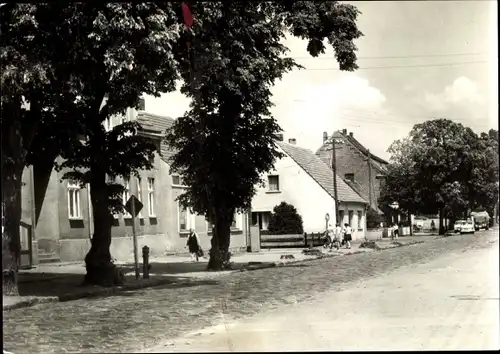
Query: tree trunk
point(11, 238)
point(441, 219)
point(100, 268)
point(219, 253)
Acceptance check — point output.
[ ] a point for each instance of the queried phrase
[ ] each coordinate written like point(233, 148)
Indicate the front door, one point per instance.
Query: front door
point(26, 261)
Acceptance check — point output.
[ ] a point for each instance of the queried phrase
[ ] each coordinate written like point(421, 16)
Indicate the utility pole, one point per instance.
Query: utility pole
point(334, 171)
point(133, 187)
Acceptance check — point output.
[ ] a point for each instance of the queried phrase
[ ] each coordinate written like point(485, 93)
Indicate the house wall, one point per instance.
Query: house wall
point(357, 224)
point(351, 160)
point(150, 230)
point(300, 190)
point(198, 222)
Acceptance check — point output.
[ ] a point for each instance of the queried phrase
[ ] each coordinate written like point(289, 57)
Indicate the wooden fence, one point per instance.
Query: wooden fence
point(291, 241)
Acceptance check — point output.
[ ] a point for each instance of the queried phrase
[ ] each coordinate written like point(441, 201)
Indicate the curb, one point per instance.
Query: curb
point(30, 303)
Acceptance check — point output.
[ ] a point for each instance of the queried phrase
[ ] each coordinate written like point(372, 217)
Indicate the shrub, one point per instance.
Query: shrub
point(373, 219)
point(285, 220)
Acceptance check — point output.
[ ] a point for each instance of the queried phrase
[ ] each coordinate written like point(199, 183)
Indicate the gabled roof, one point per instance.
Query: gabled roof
point(157, 124)
point(320, 172)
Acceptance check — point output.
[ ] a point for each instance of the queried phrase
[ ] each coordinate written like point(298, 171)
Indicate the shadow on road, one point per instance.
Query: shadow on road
point(62, 284)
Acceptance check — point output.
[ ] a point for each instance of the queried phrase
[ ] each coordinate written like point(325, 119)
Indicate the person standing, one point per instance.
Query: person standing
point(348, 235)
point(396, 230)
point(193, 244)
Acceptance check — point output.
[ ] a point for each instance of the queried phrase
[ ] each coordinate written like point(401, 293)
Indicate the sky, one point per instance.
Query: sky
point(418, 60)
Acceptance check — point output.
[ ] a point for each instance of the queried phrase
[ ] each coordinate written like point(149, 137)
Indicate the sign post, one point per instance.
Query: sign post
point(134, 206)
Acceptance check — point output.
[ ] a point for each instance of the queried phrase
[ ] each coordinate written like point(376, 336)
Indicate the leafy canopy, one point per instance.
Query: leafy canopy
point(442, 165)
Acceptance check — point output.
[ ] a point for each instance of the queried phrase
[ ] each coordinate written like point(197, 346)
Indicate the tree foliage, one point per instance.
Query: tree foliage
point(442, 167)
point(227, 140)
point(285, 220)
point(108, 55)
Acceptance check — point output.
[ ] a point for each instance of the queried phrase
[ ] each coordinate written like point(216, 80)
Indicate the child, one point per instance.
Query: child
point(348, 235)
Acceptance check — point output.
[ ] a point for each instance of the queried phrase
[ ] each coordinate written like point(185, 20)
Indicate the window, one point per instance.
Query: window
point(186, 219)
point(341, 218)
point(177, 180)
point(151, 197)
point(74, 208)
point(139, 196)
point(349, 177)
point(351, 215)
point(360, 219)
point(274, 183)
point(126, 196)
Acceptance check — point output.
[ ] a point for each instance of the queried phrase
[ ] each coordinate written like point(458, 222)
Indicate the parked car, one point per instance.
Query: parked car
point(457, 227)
point(481, 220)
point(467, 227)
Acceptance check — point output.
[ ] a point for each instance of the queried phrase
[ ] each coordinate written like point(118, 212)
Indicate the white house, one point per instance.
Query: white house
point(302, 179)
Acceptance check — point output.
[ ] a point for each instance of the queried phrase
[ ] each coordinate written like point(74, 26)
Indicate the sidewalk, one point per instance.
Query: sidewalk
point(62, 281)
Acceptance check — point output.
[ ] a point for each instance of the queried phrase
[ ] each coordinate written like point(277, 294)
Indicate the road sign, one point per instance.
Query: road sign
point(136, 208)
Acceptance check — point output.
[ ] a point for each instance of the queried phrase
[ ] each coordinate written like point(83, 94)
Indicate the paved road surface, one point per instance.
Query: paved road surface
point(449, 303)
point(136, 320)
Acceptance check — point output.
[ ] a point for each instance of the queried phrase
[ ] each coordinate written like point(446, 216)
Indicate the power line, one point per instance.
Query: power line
point(405, 66)
point(400, 56)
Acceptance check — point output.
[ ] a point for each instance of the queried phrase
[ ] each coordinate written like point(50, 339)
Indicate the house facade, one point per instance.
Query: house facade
point(302, 179)
point(65, 223)
point(355, 164)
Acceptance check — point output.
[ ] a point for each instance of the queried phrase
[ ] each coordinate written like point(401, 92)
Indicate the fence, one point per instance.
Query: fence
point(295, 241)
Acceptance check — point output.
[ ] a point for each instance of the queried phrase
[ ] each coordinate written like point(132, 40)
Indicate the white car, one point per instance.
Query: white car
point(458, 225)
point(467, 227)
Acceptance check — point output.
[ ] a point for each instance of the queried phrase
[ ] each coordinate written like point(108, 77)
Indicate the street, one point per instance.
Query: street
point(451, 303)
point(415, 296)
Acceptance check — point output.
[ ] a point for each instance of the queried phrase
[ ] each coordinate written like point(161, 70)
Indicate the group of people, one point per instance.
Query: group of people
point(341, 234)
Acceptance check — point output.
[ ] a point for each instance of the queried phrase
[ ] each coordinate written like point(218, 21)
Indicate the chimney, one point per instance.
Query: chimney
point(344, 131)
point(279, 137)
point(351, 134)
point(325, 137)
point(292, 141)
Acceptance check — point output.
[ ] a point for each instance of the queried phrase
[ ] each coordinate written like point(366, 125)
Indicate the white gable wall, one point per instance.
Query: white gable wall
point(300, 190)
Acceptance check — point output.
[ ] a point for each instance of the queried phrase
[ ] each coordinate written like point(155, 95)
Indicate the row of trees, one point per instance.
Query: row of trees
point(68, 67)
point(443, 168)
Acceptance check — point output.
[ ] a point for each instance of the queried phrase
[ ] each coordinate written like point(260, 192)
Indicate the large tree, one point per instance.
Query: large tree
point(121, 51)
point(30, 89)
point(227, 139)
point(442, 167)
point(108, 55)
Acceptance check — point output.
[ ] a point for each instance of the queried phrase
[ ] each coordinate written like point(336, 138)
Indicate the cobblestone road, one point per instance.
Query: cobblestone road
point(137, 320)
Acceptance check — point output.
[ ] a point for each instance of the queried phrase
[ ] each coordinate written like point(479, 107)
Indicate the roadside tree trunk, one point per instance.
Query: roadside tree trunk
point(219, 253)
point(16, 140)
point(11, 238)
point(100, 268)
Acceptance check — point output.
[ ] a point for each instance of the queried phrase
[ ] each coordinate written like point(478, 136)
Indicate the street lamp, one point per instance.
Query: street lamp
point(334, 142)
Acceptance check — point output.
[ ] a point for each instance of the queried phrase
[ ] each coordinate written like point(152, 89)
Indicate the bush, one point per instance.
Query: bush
point(285, 220)
point(373, 219)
